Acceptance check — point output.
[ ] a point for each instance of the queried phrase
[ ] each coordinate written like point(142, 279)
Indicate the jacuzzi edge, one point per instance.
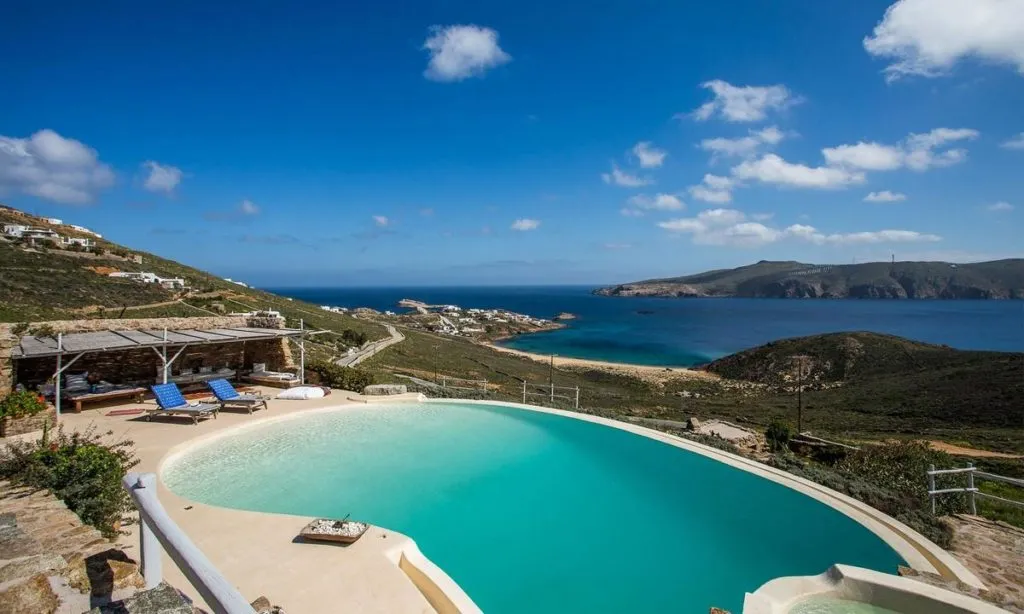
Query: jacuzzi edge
point(907, 542)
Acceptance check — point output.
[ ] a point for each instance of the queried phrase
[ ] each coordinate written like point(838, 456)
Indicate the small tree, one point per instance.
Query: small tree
point(778, 435)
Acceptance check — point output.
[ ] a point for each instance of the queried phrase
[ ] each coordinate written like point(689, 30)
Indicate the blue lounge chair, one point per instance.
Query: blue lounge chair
point(170, 403)
point(227, 395)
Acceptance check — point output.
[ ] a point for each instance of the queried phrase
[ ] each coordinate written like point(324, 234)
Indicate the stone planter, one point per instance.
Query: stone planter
point(27, 424)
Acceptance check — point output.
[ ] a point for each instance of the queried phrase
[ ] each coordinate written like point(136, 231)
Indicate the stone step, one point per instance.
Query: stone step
point(163, 599)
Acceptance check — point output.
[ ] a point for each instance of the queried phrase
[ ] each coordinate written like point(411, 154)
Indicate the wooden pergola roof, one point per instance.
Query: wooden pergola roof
point(116, 340)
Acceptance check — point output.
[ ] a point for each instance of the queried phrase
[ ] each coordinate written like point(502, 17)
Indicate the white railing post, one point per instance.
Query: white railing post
point(552, 392)
point(524, 392)
point(577, 397)
point(970, 489)
point(159, 531)
point(149, 545)
point(931, 486)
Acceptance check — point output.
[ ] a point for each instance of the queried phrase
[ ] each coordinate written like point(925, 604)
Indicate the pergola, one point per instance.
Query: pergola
point(161, 342)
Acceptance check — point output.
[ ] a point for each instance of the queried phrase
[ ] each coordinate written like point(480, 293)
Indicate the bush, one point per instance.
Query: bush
point(345, 378)
point(21, 403)
point(778, 435)
point(889, 478)
point(80, 470)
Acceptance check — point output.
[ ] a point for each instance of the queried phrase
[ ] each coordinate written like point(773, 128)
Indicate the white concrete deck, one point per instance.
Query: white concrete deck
point(256, 551)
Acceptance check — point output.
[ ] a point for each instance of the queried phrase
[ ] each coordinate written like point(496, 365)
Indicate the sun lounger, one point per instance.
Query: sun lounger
point(170, 403)
point(228, 396)
point(277, 379)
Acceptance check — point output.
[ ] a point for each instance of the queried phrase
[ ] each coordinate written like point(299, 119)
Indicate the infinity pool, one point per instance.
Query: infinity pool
point(534, 512)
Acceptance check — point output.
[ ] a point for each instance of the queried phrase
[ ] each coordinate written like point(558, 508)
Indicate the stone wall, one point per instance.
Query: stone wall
point(28, 424)
point(140, 366)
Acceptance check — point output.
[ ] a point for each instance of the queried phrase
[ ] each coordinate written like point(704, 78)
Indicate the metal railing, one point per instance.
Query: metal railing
point(458, 383)
point(158, 533)
point(549, 391)
point(972, 491)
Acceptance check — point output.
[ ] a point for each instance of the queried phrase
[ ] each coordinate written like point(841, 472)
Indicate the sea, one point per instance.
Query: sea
point(688, 332)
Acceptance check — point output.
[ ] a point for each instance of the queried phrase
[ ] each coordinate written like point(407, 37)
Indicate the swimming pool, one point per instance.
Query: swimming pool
point(535, 512)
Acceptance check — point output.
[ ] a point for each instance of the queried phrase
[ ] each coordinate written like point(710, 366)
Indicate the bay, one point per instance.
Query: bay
point(686, 332)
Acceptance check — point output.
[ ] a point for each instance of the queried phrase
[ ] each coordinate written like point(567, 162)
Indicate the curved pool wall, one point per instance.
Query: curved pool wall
point(686, 529)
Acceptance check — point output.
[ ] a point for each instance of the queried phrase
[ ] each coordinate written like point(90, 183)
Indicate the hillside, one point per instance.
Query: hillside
point(889, 377)
point(46, 282)
point(1000, 279)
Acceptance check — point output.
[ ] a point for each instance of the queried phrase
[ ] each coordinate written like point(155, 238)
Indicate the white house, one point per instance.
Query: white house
point(85, 230)
point(82, 241)
point(54, 220)
point(14, 230)
point(171, 283)
point(243, 284)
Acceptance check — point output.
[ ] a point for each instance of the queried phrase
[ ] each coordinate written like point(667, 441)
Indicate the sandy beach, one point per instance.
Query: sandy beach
point(645, 372)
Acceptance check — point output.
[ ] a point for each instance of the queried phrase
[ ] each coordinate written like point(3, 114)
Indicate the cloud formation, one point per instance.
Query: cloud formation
point(659, 202)
point(885, 196)
point(1016, 142)
point(1000, 207)
point(648, 155)
point(162, 177)
point(462, 51)
point(620, 177)
point(729, 227)
point(524, 224)
point(772, 169)
point(742, 147)
point(713, 189)
point(381, 221)
point(928, 37)
point(743, 104)
point(52, 167)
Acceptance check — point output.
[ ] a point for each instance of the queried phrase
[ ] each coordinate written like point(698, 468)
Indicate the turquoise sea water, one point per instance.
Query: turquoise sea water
point(532, 512)
point(684, 332)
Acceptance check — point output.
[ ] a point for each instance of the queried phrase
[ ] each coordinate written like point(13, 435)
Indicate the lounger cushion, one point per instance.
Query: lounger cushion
point(302, 393)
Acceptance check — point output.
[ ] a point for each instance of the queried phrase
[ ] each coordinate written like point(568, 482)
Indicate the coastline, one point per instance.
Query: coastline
point(648, 373)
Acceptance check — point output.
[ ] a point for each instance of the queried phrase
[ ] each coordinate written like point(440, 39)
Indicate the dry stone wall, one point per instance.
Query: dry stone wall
point(140, 366)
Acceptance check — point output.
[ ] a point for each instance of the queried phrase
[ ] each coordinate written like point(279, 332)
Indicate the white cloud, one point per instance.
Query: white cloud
point(624, 179)
point(729, 227)
point(162, 178)
point(525, 224)
point(1000, 207)
point(761, 217)
point(459, 52)
point(660, 202)
point(866, 156)
point(1016, 142)
point(742, 147)
point(743, 104)
point(381, 220)
point(247, 207)
point(49, 166)
point(713, 189)
point(649, 157)
point(928, 37)
point(772, 169)
point(629, 212)
point(917, 151)
point(885, 196)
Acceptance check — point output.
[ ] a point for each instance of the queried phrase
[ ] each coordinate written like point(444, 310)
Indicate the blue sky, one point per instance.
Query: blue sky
point(456, 142)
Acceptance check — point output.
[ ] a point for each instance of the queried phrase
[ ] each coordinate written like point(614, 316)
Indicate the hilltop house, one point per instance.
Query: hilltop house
point(170, 283)
point(53, 220)
point(85, 230)
point(28, 232)
point(81, 241)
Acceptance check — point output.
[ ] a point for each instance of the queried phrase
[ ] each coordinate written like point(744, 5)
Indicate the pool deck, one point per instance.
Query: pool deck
point(256, 551)
point(259, 554)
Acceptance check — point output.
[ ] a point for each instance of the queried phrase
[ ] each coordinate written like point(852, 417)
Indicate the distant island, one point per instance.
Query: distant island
point(999, 279)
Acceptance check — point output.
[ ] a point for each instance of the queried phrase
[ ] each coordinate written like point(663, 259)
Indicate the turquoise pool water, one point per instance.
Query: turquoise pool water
point(532, 512)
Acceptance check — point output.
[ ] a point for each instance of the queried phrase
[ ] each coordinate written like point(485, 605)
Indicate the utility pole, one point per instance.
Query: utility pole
point(800, 395)
point(551, 376)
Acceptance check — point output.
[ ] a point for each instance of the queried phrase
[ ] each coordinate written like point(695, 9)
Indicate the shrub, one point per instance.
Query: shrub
point(778, 435)
point(345, 378)
point(21, 403)
point(79, 469)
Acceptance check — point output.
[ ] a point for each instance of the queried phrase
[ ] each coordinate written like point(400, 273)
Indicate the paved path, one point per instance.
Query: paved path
point(359, 356)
